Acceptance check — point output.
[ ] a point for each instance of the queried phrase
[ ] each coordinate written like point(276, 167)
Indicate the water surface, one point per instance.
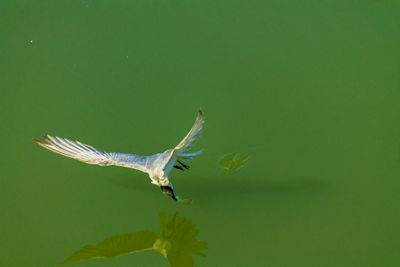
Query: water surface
point(310, 91)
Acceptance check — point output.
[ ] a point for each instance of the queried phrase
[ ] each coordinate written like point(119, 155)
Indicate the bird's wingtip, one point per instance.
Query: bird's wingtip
point(39, 142)
point(46, 137)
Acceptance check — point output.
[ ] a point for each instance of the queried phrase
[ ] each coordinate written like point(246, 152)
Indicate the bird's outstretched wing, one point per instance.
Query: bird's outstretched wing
point(88, 154)
point(194, 134)
point(186, 144)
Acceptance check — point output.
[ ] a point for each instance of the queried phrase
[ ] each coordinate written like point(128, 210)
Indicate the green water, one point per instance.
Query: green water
point(308, 90)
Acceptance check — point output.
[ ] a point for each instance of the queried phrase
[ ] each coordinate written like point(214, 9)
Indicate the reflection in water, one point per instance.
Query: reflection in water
point(177, 243)
point(233, 162)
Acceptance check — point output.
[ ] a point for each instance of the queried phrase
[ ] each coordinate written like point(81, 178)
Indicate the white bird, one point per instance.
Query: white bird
point(158, 166)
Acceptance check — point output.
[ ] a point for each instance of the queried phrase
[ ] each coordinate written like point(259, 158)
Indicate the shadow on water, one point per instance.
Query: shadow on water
point(227, 187)
point(232, 162)
point(177, 243)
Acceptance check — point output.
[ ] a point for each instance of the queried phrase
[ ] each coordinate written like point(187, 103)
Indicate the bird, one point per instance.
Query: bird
point(158, 166)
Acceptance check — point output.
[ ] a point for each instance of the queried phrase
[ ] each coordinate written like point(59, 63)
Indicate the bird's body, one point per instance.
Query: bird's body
point(158, 166)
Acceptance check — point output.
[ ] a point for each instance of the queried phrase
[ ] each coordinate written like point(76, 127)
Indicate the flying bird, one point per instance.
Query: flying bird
point(158, 166)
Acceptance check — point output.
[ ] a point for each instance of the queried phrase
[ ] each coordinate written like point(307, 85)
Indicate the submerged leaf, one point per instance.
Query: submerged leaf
point(182, 236)
point(227, 159)
point(177, 243)
point(186, 201)
point(115, 246)
point(233, 162)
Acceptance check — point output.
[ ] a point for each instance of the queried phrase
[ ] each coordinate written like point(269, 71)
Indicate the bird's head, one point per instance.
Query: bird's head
point(169, 191)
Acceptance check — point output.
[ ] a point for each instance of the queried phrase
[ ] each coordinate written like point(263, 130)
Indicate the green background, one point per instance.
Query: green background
point(309, 89)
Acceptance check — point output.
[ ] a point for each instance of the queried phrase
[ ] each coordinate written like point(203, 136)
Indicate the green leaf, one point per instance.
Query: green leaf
point(232, 162)
point(182, 244)
point(177, 243)
point(115, 246)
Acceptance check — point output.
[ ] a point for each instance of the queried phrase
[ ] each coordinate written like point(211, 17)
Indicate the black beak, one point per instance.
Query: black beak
point(167, 190)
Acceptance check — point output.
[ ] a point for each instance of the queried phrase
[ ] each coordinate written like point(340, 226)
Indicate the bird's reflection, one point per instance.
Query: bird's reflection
point(177, 243)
